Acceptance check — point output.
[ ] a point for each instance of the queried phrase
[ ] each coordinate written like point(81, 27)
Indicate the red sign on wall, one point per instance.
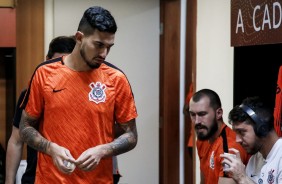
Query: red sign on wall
point(256, 22)
point(8, 27)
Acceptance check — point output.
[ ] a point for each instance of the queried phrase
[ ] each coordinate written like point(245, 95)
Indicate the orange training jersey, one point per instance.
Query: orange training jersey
point(209, 155)
point(190, 142)
point(278, 105)
point(77, 110)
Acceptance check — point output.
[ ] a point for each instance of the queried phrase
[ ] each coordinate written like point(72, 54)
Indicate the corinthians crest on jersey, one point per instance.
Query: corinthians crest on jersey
point(97, 93)
point(212, 160)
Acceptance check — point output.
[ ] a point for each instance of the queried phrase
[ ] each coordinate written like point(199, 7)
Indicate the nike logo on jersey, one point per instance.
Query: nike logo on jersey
point(58, 90)
point(253, 175)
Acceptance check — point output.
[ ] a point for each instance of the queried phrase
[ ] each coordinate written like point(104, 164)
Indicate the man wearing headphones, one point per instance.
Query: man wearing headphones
point(253, 123)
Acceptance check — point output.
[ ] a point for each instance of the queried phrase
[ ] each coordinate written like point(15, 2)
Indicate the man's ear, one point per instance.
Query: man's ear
point(78, 36)
point(219, 113)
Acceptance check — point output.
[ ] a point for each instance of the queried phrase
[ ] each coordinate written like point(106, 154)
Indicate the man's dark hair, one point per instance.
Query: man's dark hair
point(97, 18)
point(215, 102)
point(61, 44)
point(238, 115)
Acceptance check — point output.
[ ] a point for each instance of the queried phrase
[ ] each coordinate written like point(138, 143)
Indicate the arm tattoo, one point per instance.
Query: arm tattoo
point(30, 135)
point(126, 141)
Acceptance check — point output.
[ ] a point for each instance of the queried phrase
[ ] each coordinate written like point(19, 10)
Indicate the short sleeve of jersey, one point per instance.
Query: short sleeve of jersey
point(35, 98)
point(125, 108)
point(19, 110)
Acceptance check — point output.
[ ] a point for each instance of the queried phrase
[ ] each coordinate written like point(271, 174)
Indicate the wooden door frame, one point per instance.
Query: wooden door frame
point(169, 91)
point(169, 88)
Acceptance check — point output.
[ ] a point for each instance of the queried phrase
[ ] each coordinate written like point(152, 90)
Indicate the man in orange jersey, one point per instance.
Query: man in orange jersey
point(59, 46)
point(214, 137)
point(76, 101)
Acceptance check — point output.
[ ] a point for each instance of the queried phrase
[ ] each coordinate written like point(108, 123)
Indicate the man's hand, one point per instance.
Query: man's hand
point(90, 158)
point(236, 168)
point(62, 158)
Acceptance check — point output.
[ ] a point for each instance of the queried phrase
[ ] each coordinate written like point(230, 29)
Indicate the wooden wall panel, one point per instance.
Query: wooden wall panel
point(7, 3)
point(30, 39)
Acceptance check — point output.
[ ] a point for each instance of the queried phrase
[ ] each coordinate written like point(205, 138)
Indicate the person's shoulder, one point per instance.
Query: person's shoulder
point(227, 127)
point(114, 73)
point(49, 66)
point(279, 141)
point(278, 144)
point(112, 69)
point(22, 93)
point(21, 98)
point(51, 63)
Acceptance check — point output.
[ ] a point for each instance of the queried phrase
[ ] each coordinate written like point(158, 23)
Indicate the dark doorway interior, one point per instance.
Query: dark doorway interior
point(7, 77)
point(256, 71)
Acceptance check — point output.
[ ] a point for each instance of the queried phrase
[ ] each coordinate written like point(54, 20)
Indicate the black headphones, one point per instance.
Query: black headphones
point(261, 127)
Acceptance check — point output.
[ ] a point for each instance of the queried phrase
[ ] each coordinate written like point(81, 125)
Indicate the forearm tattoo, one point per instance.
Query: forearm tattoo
point(126, 141)
point(30, 135)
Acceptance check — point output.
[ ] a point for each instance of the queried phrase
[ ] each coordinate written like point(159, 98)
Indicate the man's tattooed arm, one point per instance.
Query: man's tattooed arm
point(30, 135)
point(127, 141)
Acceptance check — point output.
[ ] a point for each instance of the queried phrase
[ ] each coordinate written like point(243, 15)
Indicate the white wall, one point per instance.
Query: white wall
point(136, 52)
point(214, 53)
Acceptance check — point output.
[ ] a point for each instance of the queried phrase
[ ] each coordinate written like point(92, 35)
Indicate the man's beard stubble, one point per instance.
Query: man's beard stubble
point(256, 148)
point(213, 129)
point(94, 65)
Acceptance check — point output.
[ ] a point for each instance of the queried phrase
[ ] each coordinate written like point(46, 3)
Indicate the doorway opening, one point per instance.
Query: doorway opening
point(256, 71)
point(7, 92)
